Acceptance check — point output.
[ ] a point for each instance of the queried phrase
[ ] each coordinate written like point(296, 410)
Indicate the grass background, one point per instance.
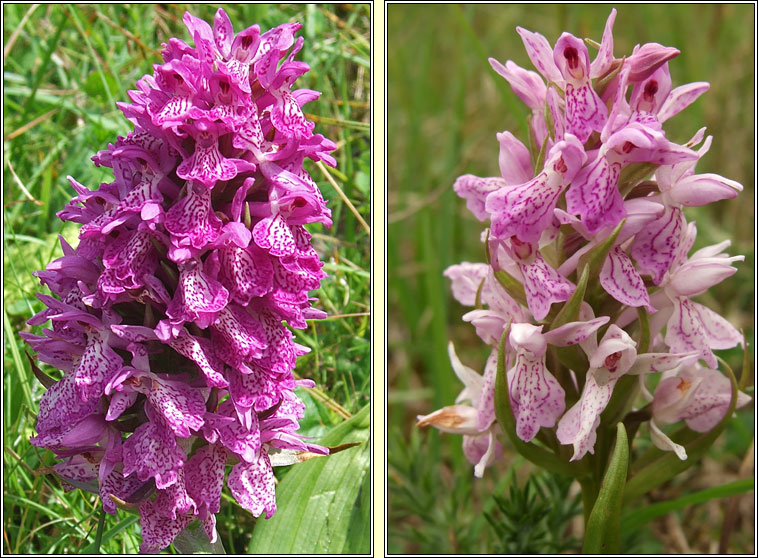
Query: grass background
point(445, 105)
point(65, 66)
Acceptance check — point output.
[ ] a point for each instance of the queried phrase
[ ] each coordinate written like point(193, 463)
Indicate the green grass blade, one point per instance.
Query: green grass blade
point(637, 518)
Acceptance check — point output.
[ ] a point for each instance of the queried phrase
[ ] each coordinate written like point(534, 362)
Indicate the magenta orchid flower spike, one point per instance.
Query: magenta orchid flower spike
point(588, 294)
point(170, 318)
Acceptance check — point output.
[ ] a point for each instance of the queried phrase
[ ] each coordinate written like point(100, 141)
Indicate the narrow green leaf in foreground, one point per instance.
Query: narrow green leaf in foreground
point(320, 502)
point(603, 534)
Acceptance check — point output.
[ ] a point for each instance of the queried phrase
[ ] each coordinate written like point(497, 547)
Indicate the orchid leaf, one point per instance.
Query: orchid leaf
point(478, 299)
point(572, 358)
point(540, 162)
point(43, 378)
point(595, 258)
point(603, 533)
point(321, 503)
point(662, 466)
point(511, 286)
point(633, 174)
point(644, 343)
point(504, 413)
point(194, 540)
point(602, 83)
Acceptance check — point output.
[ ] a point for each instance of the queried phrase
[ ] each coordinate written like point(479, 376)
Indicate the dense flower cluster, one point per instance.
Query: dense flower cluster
point(168, 321)
point(592, 190)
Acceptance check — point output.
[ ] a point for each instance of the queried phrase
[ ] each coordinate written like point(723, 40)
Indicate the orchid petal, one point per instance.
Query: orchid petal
point(469, 377)
point(537, 399)
point(647, 59)
point(585, 111)
point(621, 280)
point(540, 53)
point(719, 333)
point(702, 189)
point(665, 443)
point(655, 246)
point(454, 419)
point(465, 280)
point(252, 485)
point(524, 210)
point(574, 332)
point(578, 426)
point(152, 451)
point(475, 191)
point(685, 331)
point(680, 98)
point(528, 86)
point(660, 362)
point(594, 195)
point(544, 286)
point(528, 338)
point(602, 62)
point(571, 58)
point(489, 324)
point(513, 159)
point(485, 405)
point(710, 401)
point(489, 456)
point(698, 275)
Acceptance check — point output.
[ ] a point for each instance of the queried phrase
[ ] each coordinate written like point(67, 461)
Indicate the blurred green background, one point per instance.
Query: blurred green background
point(445, 105)
point(65, 66)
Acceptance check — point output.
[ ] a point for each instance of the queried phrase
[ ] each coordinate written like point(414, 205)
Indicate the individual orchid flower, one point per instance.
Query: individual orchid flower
point(537, 399)
point(594, 193)
point(543, 285)
point(691, 326)
point(526, 210)
point(515, 168)
point(585, 111)
point(568, 64)
point(615, 356)
point(646, 59)
point(474, 420)
point(530, 88)
point(654, 247)
point(698, 395)
point(470, 279)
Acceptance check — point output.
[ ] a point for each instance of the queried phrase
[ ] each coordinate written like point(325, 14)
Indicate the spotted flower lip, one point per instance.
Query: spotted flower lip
point(171, 317)
point(536, 396)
